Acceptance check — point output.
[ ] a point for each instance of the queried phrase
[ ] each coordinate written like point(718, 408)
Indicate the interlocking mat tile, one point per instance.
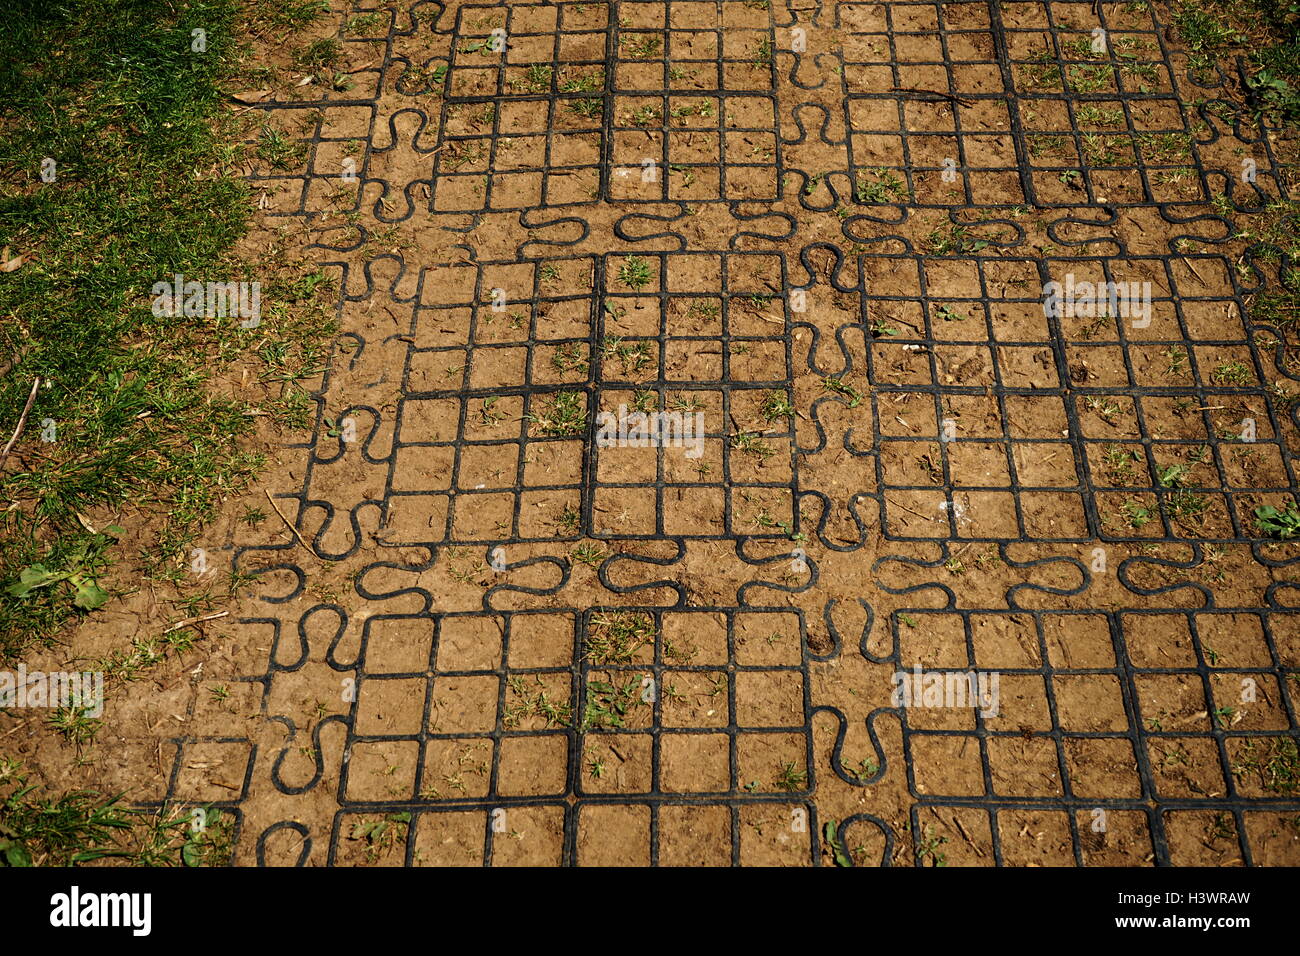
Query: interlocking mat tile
point(786, 432)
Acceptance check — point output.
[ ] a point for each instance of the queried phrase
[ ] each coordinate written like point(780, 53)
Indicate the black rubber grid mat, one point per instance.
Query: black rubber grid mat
point(971, 418)
point(475, 693)
point(1073, 693)
point(1051, 104)
point(998, 420)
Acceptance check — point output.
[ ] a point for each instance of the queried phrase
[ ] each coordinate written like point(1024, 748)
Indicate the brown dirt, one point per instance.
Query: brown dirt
point(398, 699)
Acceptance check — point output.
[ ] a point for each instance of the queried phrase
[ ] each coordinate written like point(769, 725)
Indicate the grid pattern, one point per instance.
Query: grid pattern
point(707, 710)
point(493, 417)
point(692, 45)
point(570, 730)
point(697, 336)
point(999, 421)
point(1110, 725)
point(1058, 104)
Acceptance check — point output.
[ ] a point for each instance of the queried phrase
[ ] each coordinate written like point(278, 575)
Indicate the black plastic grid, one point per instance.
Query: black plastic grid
point(1026, 98)
point(699, 338)
point(1079, 688)
point(665, 45)
point(687, 832)
point(941, 107)
point(986, 92)
point(694, 148)
point(698, 723)
point(545, 113)
point(995, 421)
point(510, 342)
point(544, 49)
point(682, 719)
point(300, 150)
point(504, 344)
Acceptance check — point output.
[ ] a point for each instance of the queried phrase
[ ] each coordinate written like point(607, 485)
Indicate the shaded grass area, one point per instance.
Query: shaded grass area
point(118, 102)
point(82, 827)
point(1264, 33)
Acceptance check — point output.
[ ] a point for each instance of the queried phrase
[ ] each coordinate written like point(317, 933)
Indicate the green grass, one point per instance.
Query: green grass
point(145, 187)
point(879, 186)
point(1204, 33)
point(1274, 762)
point(954, 240)
point(75, 828)
point(614, 638)
point(608, 704)
point(1265, 32)
point(527, 704)
point(81, 826)
point(562, 415)
point(635, 272)
point(791, 778)
point(776, 404)
point(1283, 523)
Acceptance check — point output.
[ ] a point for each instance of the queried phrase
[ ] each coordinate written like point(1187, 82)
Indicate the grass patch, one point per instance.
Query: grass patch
point(1274, 762)
point(614, 638)
point(83, 826)
point(880, 186)
point(113, 101)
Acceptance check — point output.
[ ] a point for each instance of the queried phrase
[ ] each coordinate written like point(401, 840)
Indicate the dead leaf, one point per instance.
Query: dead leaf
point(10, 265)
point(250, 96)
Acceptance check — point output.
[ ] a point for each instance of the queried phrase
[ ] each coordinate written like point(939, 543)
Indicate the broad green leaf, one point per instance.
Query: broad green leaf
point(837, 848)
point(31, 578)
point(14, 853)
point(89, 595)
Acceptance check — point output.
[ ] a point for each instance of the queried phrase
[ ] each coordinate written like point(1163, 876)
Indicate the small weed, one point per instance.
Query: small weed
point(791, 778)
point(634, 272)
point(837, 386)
point(1281, 523)
point(564, 415)
point(929, 848)
point(880, 186)
point(776, 404)
point(608, 704)
point(1275, 761)
point(615, 638)
point(957, 240)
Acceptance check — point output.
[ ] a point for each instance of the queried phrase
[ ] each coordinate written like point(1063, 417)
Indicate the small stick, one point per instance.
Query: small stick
point(195, 620)
point(907, 509)
point(974, 846)
point(1193, 268)
point(950, 97)
point(15, 730)
point(288, 525)
point(22, 420)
